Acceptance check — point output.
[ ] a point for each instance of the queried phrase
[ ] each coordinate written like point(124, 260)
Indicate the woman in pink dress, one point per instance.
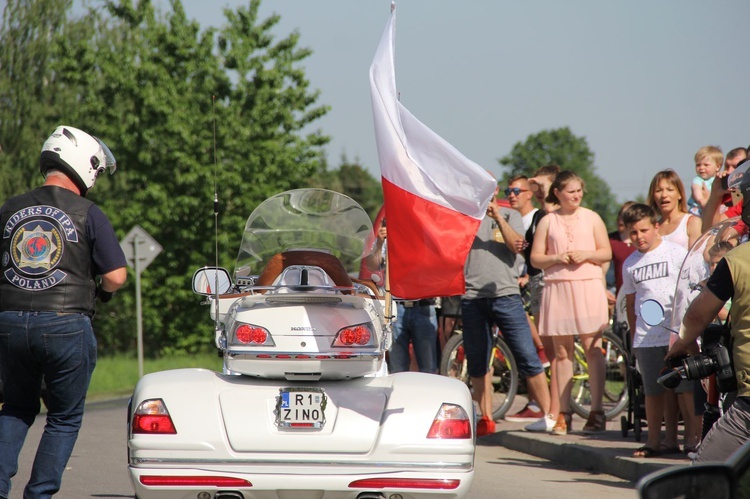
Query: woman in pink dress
point(571, 245)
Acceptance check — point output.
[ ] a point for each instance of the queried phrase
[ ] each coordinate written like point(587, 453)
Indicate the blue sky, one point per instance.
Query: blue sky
point(646, 82)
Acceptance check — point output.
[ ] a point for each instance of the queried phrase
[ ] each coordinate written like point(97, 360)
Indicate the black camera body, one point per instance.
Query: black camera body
point(713, 359)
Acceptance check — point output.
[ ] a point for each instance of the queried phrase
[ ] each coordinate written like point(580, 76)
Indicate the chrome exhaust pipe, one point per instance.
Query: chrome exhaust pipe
point(229, 495)
point(371, 495)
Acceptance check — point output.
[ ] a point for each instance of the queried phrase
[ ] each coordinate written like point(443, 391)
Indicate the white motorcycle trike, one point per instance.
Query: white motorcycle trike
point(304, 407)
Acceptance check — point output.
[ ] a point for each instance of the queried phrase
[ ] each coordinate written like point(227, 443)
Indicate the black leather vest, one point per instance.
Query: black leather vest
point(46, 256)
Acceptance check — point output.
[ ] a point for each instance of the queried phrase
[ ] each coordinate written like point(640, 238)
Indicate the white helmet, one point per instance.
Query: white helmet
point(79, 155)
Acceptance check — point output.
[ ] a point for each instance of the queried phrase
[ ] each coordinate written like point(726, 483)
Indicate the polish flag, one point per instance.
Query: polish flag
point(434, 196)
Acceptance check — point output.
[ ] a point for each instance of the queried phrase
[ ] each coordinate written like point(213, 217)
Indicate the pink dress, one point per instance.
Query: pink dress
point(573, 297)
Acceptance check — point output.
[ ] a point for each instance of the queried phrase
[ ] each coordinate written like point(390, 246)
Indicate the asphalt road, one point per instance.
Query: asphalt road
point(98, 467)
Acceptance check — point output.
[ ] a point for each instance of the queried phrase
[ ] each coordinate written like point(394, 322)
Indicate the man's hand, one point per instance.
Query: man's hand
point(679, 348)
point(103, 296)
point(382, 234)
point(717, 186)
point(492, 210)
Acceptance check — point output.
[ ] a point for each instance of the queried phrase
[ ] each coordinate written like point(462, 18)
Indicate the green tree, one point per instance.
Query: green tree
point(28, 90)
point(560, 146)
point(155, 87)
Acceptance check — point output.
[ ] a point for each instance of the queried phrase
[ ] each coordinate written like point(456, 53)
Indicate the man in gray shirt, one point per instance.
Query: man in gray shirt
point(493, 297)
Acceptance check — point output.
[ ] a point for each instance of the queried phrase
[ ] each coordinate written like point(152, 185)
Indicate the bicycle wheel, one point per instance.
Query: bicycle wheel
point(615, 398)
point(504, 371)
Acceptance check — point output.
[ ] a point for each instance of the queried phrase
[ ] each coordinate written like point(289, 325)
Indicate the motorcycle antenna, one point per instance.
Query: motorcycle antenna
point(216, 217)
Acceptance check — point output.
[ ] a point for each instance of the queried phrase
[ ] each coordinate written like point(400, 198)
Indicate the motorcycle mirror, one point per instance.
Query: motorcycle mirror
point(210, 281)
point(652, 312)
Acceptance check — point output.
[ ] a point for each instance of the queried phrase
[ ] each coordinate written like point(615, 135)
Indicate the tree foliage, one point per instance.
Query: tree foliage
point(187, 113)
point(28, 93)
point(560, 146)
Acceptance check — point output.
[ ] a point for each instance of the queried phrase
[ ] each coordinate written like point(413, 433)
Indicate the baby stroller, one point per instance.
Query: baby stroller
point(636, 416)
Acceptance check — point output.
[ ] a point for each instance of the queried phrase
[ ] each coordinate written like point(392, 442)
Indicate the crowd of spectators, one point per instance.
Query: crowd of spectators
point(562, 255)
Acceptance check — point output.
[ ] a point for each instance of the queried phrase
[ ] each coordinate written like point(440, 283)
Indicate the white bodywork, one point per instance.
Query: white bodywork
point(303, 415)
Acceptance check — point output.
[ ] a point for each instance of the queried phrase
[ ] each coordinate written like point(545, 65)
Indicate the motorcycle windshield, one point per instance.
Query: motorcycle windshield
point(700, 261)
point(304, 219)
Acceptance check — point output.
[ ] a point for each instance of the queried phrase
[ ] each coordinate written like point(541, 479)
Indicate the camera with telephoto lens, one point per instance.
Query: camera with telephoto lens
point(713, 359)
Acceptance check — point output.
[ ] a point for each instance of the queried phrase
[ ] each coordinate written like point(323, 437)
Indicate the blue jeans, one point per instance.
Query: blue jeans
point(417, 324)
point(62, 350)
point(507, 313)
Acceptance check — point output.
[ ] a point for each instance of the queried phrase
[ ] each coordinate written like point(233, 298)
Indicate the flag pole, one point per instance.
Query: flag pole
point(388, 329)
point(388, 296)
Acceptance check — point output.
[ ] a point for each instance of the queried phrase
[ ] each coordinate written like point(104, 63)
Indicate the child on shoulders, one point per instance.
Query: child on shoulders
point(708, 161)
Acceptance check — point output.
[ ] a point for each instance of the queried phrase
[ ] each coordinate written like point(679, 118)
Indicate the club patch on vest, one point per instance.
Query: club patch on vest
point(38, 236)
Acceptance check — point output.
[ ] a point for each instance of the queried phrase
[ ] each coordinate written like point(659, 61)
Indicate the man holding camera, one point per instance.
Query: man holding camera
point(730, 280)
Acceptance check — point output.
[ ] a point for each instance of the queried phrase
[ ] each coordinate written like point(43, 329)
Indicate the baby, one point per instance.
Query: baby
point(708, 161)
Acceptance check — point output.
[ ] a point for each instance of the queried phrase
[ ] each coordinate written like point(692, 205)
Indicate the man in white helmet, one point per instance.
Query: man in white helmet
point(58, 254)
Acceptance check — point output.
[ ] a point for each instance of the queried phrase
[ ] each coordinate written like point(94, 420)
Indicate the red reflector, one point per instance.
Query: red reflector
point(301, 425)
point(404, 483)
point(302, 357)
point(283, 356)
point(264, 356)
point(450, 428)
point(160, 423)
point(322, 357)
point(194, 481)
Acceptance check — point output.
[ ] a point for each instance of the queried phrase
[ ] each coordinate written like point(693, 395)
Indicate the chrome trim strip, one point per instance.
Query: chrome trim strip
point(350, 356)
point(349, 464)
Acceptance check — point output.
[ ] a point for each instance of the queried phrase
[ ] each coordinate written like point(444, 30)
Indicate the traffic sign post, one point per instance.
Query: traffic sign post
point(140, 250)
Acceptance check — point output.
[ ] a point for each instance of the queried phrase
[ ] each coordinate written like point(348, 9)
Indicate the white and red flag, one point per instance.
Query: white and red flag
point(434, 196)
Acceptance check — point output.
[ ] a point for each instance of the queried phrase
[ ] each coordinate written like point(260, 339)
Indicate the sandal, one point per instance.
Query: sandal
point(561, 426)
point(647, 452)
point(568, 416)
point(596, 423)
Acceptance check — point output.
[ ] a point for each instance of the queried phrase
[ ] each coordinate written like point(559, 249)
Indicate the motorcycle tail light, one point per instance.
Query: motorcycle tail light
point(451, 421)
point(193, 481)
point(152, 417)
point(248, 334)
point(405, 483)
point(359, 335)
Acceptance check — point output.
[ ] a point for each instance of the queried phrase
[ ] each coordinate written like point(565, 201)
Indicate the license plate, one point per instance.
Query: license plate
point(301, 408)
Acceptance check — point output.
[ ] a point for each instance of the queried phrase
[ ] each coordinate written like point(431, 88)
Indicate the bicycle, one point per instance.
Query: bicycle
point(502, 364)
point(505, 377)
point(616, 394)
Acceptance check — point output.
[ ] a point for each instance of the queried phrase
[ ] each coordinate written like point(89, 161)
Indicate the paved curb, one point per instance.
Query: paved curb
point(604, 453)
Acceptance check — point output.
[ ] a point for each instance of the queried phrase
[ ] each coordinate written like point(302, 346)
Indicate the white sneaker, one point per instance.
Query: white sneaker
point(542, 425)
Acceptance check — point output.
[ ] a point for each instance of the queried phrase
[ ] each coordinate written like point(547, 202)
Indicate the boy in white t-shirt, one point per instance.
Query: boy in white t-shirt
point(651, 272)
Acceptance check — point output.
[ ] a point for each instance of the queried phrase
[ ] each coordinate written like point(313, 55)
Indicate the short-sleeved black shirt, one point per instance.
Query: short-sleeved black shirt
point(720, 283)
